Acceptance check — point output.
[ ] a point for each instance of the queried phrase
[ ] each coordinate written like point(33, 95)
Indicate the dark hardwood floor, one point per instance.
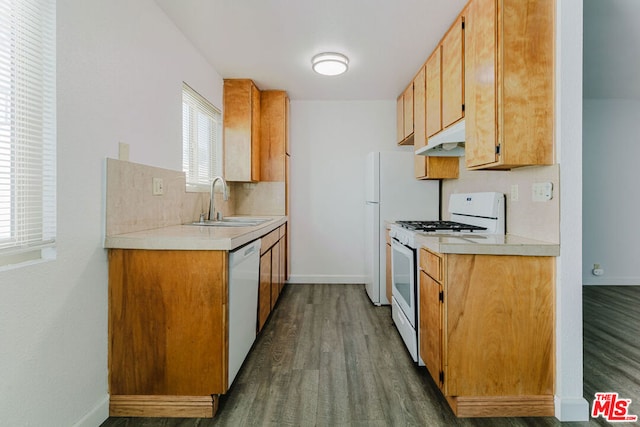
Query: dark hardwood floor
point(328, 357)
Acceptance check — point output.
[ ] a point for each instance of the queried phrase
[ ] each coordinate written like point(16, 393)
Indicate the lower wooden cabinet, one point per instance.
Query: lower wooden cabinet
point(487, 332)
point(273, 261)
point(168, 326)
point(168, 336)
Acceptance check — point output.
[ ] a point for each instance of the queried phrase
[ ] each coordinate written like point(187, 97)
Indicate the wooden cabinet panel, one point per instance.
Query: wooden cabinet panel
point(283, 264)
point(161, 303)
point(400, 119)
point(489, 327)
point(431, 326)
point(241, 128)
point(434, 92)
point(419, 110)
point(408, 111)
point(509, 75)
point(275, 274)
point(502, 308)
point(452, 74)
point(269, 240)
point(264, 291)
point(273, 135)
point(480, 82)
point(431, 263)
point(404, 116)
point(427, 167)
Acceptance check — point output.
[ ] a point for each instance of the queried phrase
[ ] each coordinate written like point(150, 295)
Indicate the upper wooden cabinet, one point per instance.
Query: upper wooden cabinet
point(404, 116)
point(433, 68)
point(445, 83)
point(509, 83)
point(274, 135)
point(453, 74)
point(427, 167)
point(241, 126)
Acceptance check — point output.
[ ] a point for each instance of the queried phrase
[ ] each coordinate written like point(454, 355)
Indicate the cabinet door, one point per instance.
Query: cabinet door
point(434, 93)
point(275, 274)
point(408, 110)
point(480, 47)
point(400, 119)
point(283, 263)
point(241, 127)
point(264, 292)
point(431, 326)
point(273, 135)
point(452, 74)
point(419, 110)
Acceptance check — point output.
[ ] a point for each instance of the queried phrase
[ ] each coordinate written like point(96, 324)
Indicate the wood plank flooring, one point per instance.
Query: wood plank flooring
point(612, 344)
point(328, 357)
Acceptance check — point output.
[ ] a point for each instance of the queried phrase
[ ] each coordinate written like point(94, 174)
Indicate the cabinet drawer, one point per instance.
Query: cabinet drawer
point(282, 230)
point(269, 240)
point(431, 263)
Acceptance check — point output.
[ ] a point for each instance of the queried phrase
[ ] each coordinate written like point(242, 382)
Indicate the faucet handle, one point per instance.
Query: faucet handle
point(218, 216)
point(202, 217)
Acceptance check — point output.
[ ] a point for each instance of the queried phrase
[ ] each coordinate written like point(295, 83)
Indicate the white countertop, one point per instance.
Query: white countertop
point(488, 244)
point(193, 237)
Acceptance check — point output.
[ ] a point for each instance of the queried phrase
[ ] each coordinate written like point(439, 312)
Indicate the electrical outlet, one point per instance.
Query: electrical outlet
point(597, 271)
point(158, 187)
point(123, 151)
point(541, 191)
point(514, 193)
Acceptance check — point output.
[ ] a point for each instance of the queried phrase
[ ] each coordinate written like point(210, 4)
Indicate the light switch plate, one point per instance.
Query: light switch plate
point(158, 187)
point(541, 191)
point(514, 193)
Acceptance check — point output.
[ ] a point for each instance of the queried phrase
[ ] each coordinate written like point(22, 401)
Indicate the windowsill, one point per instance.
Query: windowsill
point(25, 259)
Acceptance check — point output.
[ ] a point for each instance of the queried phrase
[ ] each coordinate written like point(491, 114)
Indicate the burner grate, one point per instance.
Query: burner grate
point(439, 226)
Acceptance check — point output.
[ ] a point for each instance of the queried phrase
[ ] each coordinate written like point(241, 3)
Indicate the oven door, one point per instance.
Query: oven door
point(403, 272)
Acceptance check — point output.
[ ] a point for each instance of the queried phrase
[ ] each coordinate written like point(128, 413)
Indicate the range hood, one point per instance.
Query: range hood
point(448, 143)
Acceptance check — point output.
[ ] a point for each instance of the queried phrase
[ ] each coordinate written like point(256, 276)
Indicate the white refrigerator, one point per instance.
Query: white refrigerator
point(392, 193)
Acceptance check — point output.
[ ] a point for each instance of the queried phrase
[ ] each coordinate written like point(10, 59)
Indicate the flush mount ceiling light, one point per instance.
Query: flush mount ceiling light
point(330, 63)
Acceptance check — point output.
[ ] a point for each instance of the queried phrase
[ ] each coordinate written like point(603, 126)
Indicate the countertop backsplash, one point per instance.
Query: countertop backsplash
point(131, 206)
point(526, 218)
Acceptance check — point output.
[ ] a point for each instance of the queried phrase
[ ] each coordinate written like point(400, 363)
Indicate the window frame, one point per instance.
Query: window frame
point(194, 166)
point(27, 132)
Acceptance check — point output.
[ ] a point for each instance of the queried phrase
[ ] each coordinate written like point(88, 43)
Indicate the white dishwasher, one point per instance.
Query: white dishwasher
point(244, 279)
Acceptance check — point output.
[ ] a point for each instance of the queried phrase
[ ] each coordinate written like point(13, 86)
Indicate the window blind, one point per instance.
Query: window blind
point(201, 139)
point(27, 129)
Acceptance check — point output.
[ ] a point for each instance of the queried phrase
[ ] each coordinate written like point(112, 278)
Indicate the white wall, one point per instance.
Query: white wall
point(329, 142)
point(120, 69)
point(611, 194)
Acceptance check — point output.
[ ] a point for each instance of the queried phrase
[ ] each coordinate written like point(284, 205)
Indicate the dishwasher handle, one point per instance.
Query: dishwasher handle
point(240, 254)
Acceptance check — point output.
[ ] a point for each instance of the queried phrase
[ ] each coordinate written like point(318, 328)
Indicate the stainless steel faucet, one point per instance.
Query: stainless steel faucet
point(212, 213)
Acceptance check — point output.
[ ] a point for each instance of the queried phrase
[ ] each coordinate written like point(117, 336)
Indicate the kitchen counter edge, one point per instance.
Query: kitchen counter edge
point(194, 237)
point(508, 244)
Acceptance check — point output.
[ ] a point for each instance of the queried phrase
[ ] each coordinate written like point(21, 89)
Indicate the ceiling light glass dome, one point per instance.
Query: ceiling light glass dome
point(330, 63)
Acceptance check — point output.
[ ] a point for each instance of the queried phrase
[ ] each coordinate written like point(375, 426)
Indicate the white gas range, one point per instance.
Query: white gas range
point(471, 213)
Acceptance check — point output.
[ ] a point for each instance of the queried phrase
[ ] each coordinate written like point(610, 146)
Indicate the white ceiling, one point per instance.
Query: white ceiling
point(611, 49)
point(272, 41)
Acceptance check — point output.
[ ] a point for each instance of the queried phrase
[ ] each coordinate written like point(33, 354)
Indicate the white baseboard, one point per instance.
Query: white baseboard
point(325, 278)
point(571, 408)
point(96, 416)
point(611, 281)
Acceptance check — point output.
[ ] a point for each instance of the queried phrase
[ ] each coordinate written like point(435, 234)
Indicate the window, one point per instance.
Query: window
point(201, 140)
point(27, 131)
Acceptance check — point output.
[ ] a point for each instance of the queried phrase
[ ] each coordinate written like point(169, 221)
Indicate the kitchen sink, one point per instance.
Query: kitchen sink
point(233, 222)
